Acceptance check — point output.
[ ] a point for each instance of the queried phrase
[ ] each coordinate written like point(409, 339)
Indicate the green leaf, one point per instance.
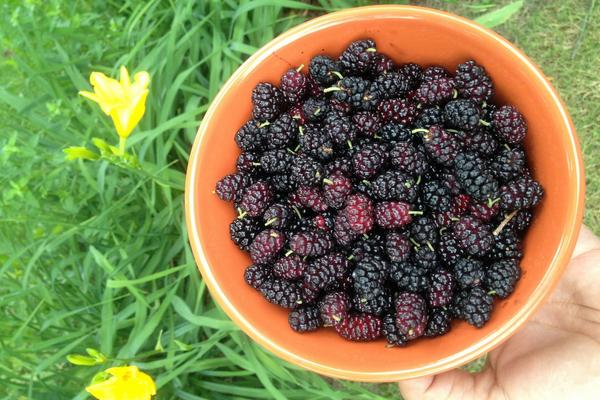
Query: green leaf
point(78, 359)
point(100, 377)
point(101, 144)
point(499, 16)
point(79, 153)
point(159, 346)
point(182, 346)
point(99, 357)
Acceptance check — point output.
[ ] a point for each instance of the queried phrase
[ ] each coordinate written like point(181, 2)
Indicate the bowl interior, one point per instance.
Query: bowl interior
point(406, 34)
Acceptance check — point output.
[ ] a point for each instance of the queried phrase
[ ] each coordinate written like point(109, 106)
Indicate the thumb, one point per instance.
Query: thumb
point(455, 384)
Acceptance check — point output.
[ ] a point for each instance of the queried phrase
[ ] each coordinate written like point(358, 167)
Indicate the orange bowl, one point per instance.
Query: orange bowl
point(407, 34)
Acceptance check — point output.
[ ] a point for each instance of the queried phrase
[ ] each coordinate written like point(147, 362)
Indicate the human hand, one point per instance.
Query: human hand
point(555, 356)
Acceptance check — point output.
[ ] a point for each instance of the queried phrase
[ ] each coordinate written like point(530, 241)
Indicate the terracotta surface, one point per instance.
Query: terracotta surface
point(407, 34)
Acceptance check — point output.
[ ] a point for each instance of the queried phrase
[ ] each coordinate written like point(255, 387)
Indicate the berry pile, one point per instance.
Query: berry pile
point(382, 200)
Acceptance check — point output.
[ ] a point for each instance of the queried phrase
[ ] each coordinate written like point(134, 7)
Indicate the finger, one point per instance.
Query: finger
point(455, 384)
point(586, 242)
point(415, 388)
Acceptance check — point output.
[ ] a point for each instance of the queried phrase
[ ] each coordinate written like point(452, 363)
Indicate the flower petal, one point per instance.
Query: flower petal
point(125, 82)
point(142, 78)
point(126, 119)
point(108, 90)
point(93, 97)
point(104, 390)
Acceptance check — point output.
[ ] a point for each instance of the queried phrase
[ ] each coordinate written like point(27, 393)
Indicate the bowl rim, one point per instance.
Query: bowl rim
point(544, 288)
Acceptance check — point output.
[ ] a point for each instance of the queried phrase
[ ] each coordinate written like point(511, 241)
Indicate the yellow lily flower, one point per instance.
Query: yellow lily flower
point(126, 383)
point(124, 101)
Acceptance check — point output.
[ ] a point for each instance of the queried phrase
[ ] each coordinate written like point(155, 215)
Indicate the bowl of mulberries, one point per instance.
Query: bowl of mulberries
point(378, 201)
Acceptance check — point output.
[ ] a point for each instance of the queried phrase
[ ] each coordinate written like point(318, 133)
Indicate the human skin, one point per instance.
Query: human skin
point(556, 355)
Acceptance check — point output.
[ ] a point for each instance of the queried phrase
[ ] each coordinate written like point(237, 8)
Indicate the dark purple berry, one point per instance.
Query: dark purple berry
point(501, 277)
point(267, 100)
point(474, 236)
point(473, 82)
point(509, 124)
point(411, 315)
point(462, 114)
point(359, 56)
point(266, 246)
point(305, 319)
point(334, 308)
point(359, 213)
point(256, 275)
point(310, 244)
point(290, 268)
point(442, 286)
point(359, 327)
point(256, 199)
point(293, 85)
point(521, 193)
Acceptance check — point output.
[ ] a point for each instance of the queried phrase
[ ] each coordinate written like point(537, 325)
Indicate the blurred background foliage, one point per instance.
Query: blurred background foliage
point(96, 256)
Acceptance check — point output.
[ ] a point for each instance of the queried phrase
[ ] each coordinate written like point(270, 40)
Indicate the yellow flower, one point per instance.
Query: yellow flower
point(126, 383)
point(124, 101)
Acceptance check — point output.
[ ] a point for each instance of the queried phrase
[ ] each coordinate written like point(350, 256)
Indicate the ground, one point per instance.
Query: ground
point(93, 255)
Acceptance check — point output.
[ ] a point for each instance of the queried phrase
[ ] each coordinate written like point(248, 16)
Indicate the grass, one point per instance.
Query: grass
point(92, 255)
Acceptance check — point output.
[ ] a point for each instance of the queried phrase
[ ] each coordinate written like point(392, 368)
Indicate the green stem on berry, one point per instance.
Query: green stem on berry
point(371, 50)
point(504, 222)
point(300, 68)
point(407, 185)
point(418, 180)
point(256, 164)
point(327, 150)
point(317, 174)
point(415, 213)
point(289, 253)
point(420, 130)
point(365, 236)
point(271, 221)
point(290, 150)
point(350, 257)
point(274, 234)
point(442, 229)
point(376, 136)
point(297, 211)
point(337, 74)
point(296, 116)
point(366, 182)
point(430, 246)
point(452, 130)
point(484, 104)
point(317, 111)
point(266, 123)
point(301, 130)
point(491, 202)
point(484, 123)
point(492, 292)
point(327, 181)
point(417, 245)
point(241, 213)
point(455, 219)
point(349, 144)
point(507, 147)
point(454, 93)
point(332, 89)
